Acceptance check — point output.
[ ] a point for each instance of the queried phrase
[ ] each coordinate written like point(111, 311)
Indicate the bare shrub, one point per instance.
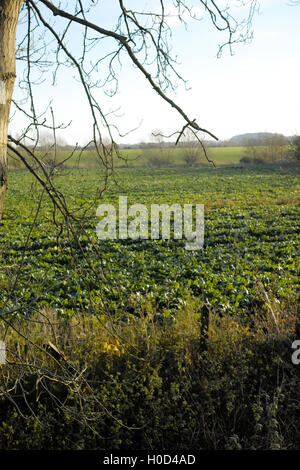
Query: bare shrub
point(191, 148)
point(191, 156)
point(157, 159)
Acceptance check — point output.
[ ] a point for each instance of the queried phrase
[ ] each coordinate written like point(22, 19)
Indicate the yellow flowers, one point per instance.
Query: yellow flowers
point(113, 347)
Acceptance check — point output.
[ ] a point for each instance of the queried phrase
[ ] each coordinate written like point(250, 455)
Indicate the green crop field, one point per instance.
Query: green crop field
point(251, 236)
point(220, 155)
point(141, 157)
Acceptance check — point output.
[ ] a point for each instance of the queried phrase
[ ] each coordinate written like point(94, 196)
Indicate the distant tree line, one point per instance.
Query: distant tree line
point(270, 148)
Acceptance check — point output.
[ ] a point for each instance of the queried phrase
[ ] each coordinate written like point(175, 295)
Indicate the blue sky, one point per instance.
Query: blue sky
point(256, 89)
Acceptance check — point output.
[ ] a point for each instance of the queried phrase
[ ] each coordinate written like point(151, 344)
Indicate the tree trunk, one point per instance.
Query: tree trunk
point(9, 14)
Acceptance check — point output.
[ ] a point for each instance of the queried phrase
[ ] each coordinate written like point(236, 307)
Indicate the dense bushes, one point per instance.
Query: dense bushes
point(296, 147)
point(253, 161)
point(269, 149)
point(147, 384)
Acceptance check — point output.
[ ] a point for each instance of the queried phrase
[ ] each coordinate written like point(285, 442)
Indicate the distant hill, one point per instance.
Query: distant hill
point(255, 138)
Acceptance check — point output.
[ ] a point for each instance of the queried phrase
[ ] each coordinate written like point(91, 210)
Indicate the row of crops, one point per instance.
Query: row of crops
point(251, 241)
